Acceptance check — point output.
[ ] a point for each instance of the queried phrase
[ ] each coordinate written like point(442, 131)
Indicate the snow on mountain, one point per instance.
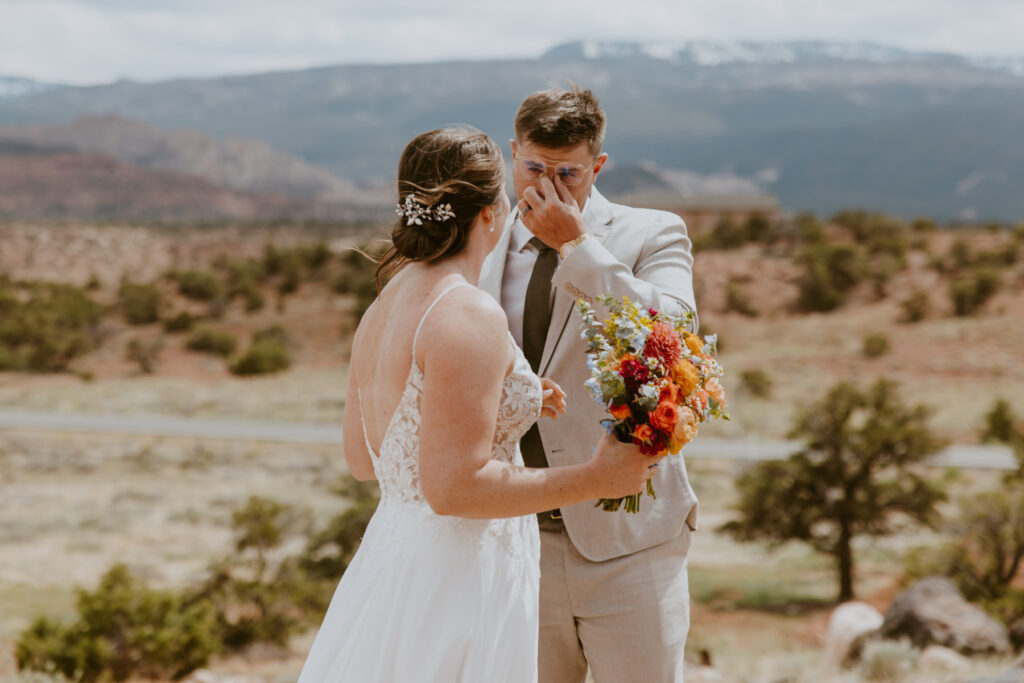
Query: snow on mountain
point(11, 87)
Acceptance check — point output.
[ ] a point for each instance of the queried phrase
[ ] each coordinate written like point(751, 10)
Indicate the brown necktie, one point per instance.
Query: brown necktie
point(537, 307)
point(536, 319)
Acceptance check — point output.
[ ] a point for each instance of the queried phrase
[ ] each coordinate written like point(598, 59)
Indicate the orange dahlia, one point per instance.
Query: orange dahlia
point(663, 342)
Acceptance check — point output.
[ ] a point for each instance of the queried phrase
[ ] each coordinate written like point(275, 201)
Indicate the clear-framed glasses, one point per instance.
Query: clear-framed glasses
point(569, 174)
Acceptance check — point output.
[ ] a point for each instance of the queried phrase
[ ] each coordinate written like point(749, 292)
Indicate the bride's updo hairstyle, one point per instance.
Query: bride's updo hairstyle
point(445, 171)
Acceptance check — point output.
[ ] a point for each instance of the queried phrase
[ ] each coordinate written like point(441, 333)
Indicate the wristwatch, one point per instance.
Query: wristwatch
point(567, 248)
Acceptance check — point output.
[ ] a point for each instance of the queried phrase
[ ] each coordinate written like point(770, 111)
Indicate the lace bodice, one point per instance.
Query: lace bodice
point(397, 464)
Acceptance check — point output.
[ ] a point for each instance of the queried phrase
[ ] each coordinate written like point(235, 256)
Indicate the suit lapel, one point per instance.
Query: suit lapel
point(598, 222)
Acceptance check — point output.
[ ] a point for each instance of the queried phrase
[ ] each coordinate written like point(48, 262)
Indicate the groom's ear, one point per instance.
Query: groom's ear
point(599, 162)
point(512, 145)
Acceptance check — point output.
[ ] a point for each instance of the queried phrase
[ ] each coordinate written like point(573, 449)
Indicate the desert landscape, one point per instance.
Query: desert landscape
point(73, 505)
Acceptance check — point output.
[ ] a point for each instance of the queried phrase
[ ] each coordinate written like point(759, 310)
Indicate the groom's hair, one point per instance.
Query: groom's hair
point(558, 118)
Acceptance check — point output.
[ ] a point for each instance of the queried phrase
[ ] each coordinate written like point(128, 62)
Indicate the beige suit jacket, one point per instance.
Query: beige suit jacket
point(645, 255)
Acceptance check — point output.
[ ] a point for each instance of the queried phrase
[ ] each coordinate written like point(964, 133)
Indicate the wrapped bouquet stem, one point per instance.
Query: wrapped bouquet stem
point(656, 379)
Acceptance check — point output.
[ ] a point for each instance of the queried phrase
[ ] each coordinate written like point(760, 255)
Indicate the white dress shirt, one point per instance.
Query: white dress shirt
point(519, 262)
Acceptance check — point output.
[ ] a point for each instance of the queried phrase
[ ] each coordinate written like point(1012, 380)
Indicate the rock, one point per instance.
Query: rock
point(846, 624)
point(1017, 635)
point(936, 658)
point(933, 612)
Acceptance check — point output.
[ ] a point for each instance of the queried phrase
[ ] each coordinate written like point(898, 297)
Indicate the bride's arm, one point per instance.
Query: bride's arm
point(465, 353)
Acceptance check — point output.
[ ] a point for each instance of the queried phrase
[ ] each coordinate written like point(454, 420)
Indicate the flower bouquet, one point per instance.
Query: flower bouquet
point(657, 380)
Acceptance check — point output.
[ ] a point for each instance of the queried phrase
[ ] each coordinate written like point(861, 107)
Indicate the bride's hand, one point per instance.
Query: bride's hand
point(620, 469)
point(554, 399)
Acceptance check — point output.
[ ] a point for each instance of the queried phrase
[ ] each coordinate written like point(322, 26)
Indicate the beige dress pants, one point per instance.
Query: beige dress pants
point(627, 617)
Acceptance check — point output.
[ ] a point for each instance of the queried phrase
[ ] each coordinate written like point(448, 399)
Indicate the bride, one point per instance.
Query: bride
point(444, 587)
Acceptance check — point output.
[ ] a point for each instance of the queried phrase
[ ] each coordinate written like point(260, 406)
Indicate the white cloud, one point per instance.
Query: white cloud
point(88, 41)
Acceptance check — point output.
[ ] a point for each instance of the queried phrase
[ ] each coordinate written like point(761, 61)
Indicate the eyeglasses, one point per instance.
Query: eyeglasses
point(569, 174)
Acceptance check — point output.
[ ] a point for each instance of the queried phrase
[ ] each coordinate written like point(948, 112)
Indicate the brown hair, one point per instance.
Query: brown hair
point(559, 118)
point(461, 167)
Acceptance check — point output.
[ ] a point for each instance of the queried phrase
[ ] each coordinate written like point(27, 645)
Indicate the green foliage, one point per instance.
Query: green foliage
point(199, 285)
point(124, 630)
point(254, 599)
point(46, 330)
point(210, 340)
point(182, 322)
point(969, 293)
point(1001, 425)
point(729, 233)
point(140, 303)
point(985, 554)
point(736, 299)
point(854, 476)
point(757, 382)
point(145, 353)
point(809, 229)
point(829, 272)
point(876, 344)
point(330, 551)
point(923, 225)
point(243, 280)
point(916, 306)
point(267, 353)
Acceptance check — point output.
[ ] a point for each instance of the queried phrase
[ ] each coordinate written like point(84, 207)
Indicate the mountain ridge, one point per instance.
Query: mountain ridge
point(924, 134)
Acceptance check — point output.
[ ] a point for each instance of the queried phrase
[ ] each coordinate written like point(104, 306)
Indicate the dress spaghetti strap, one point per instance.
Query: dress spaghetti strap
point(429, 309)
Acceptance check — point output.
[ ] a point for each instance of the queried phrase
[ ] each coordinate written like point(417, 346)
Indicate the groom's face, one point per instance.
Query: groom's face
point(528, 156)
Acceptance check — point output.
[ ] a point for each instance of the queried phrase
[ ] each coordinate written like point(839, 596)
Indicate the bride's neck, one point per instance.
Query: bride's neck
point(470, 260)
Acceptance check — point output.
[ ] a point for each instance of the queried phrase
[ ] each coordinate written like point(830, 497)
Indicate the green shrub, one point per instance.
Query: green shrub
point(56, 324)
point(875, 344)
point(1001, 425)
point(330, 551)
point(809, 229)
point(139, 303)
point(757, 228)
point(736, 299)
point(124, 630)
point(923, 225)
point(757, 382)
point(199, 285)
point(145, 353)
point(316, 256)
point(210, 340)
point(263, 356)
point(829, 272)
point(969, 293)
point(182, 322)
point(256, 600)
point(983, 556)
point(916, 306)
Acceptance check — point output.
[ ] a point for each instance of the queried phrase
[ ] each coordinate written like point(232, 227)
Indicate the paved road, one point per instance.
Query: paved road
point(979, 457)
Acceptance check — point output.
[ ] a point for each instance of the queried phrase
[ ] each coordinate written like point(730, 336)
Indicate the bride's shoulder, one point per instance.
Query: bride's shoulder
point(467, 319)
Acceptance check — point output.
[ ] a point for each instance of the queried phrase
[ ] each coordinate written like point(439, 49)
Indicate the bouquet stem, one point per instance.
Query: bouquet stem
point(632, 502)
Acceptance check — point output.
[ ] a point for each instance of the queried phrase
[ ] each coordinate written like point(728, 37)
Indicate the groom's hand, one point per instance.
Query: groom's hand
point(551, 213)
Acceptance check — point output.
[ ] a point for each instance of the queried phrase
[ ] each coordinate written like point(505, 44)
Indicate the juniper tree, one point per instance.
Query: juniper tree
point(854, 476)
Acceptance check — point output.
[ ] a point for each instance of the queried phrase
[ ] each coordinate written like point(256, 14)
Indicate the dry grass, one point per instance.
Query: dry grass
point(73, 505)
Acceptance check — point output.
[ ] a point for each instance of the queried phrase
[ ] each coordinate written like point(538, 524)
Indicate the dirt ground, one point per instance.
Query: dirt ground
point(71, 505)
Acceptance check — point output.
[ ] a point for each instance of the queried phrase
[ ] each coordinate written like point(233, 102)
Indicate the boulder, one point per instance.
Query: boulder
point(933, 612)
point(848, 622)
point(938, 659)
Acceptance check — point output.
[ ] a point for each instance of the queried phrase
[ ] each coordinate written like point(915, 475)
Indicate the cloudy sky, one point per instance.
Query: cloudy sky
point(94, 41)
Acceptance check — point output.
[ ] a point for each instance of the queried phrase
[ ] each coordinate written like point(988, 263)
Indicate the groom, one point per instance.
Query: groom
point(614, 591)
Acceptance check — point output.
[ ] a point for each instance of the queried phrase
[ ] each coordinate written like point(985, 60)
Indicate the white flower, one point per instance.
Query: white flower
point(414, 212)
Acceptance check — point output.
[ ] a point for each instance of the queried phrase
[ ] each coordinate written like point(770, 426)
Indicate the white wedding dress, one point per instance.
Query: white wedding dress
point(429, 598)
